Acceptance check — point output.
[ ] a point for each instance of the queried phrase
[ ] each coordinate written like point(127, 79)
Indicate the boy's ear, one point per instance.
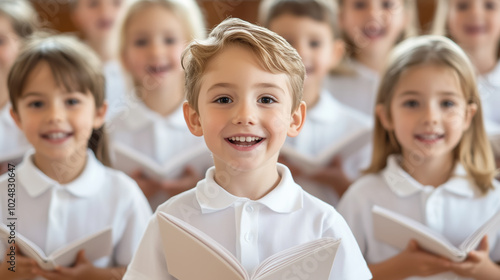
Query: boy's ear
point(382, 115)
point(192, 119)
point(297, 120)
point(338, 51)
point(100, 115)
point(16, 117)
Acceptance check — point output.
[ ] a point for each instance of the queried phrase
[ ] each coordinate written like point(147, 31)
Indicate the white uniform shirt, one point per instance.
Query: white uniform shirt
point(489, 88)
point(455, 209)
point(116, 87)
point(160, 138)
point(358, 91)
point(326, 124)
point(252, 230)
point(52, 215)
point(12, 139)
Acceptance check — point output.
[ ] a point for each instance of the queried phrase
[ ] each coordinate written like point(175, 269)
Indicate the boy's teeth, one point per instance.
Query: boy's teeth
point(430, 137)
point(56, 135)
point(244, 139)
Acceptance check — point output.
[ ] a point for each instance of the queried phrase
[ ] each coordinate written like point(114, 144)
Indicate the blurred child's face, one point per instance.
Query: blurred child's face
point(57, 123)
point(96, 18)
point(314, 42)
point(474, 23)
point(9, 46)
point(244, 111)
point(429, 117)
point(154, 43)
point(374, 25)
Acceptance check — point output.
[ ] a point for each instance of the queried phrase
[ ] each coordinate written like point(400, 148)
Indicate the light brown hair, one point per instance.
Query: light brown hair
point(474, 151)
point(274, 53)
point(74, 66)
point(22, 16)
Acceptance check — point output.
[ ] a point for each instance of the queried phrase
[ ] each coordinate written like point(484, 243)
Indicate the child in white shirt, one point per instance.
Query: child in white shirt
point(370, 29)
point(244, 86)
point(97, 21)
point(475, 27)
point(63, 191)
point(18, 20)
point(153, 35)
point(311, 28)
point(431, 162)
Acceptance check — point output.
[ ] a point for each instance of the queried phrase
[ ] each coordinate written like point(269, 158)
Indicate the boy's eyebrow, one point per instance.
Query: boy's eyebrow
point(33, 93)
point(232, 86)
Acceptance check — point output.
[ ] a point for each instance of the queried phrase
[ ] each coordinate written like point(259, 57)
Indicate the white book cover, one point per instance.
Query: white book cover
point(127, 159)
point(397, 230)
point(192, 255)
point(349, 145)
point(96, 245)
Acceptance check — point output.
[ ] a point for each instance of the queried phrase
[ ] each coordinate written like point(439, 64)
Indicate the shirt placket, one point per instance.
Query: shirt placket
point(161, 141)
point(248, 239)
point(56, 228)
point(434, 208)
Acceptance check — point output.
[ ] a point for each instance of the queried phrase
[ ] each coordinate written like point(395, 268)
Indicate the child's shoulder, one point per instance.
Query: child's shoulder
point(368, 185)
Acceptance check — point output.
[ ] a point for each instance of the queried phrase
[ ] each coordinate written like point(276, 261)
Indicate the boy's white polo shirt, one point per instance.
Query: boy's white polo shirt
point(454, 209)
point(158, 137)
point(252, 230)
point(358, 91)
point(12, 139)
point(52, 215)
point(326, 124)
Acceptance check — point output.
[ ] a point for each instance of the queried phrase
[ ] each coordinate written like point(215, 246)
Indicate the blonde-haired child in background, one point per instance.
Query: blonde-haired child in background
point(433, 163)
point(371, 28)
point(18, 20)
point(97, 21)
point(475, 26)
point(63, 188)
point(311, 27)
point(153, 35)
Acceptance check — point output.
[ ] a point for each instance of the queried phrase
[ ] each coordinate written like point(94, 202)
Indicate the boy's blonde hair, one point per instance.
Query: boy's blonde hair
point(474, 151)
point(187, 11)
point(22, 16)
point(411, 30)
point(320, 10)
point(439, 23)
point(274, 53)
point(74, 66)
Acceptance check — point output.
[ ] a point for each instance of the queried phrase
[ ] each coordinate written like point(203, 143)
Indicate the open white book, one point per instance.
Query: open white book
point(397, 230)
point(193, 255)
point(347, 146)
point(127, 160)
point(96, 245)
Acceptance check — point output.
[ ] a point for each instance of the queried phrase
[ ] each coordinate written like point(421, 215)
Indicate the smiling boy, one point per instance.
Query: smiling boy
point(244, 88)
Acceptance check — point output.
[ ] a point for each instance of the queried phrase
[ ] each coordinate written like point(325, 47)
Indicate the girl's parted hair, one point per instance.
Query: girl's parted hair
point(474, 151)
point(74, 66)
point(274, 53)
point(22, 16)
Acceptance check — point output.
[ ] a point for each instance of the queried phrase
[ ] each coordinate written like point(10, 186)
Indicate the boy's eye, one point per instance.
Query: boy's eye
point(266, 100)
point(223, 100)
point(387, 4)
point(140, 42)
point(35, 104)
point(490, 5)
point(359, 5)
point(314, 43)
point(447, 103)
point(462, 6)
point(72, 101)
point(410, 104)
point(170, 40)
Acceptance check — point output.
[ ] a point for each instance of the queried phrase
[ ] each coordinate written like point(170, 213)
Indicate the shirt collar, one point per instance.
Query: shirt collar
point(139, 115)
point(36, 182)
point(403, 185)
point(286, 197)
point(326, 110)
point(364, 71)
point(493, 77)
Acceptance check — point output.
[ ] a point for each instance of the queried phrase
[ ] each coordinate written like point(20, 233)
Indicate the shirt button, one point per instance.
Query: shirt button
point(249, 208)
point(248, 237)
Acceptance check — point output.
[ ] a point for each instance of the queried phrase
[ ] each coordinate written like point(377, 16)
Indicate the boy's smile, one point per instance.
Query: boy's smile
point(244, 111)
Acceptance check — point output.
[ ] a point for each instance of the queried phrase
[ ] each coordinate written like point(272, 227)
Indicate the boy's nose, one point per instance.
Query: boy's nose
point(56, 113)
point(244, 115)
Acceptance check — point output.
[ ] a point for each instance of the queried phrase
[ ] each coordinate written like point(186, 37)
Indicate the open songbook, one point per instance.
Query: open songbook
point(127, 160)
point(345, 147)
point(397, 230)
point(96, 245)
point(193, 255)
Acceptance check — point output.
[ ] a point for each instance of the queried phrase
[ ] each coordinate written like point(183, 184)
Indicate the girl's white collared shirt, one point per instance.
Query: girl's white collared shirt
point(53, 215)
point(454, 209)
point(12, 139)
point(252, 230)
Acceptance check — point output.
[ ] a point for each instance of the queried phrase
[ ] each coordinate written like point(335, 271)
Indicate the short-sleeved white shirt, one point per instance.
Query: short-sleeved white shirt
point(358, 91)
point(160, 138)
point(52, 215)
point(489, 89)
point(12, 139)
point(326, 124)
point(455, 209)
point(252, 230)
